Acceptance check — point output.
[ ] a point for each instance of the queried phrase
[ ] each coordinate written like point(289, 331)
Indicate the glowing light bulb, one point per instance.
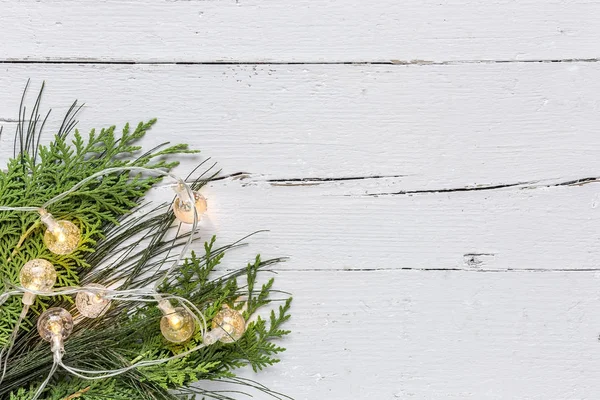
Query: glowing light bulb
point(39, 275)
point(227, 326)
point(61, 237)
point(92, 304)
point(183, 206)
point(175, 321)
point(177, 325)
point(55, 325)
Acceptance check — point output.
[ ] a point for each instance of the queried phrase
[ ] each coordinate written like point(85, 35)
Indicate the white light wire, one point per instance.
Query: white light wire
point(107, 171)
point(56, 362)
point(141, 295)
point(110, 293)
point(24, 209)
point(110, 373)
point(151, 172)
point(11, 342)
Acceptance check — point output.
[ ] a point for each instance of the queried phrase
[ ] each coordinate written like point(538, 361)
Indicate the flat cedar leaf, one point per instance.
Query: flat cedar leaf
point(127, 250)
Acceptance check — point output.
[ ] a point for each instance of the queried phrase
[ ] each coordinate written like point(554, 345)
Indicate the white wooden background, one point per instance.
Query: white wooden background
point(428, 166)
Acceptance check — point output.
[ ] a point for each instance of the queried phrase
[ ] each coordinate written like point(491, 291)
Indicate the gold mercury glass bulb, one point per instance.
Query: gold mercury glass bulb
point(55, 325)
point(92, 304)
point(177, 325)
point(230, 325)
point(61, 237)
point(184, 209)
point(39, 275)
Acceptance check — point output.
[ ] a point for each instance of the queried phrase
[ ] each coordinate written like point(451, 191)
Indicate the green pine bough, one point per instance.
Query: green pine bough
point(125, 244)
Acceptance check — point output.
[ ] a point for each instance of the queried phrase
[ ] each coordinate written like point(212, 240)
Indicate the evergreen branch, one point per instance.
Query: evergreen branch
point(125, 244)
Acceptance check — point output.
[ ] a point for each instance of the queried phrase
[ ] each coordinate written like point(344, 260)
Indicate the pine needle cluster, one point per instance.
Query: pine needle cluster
point(126, 243)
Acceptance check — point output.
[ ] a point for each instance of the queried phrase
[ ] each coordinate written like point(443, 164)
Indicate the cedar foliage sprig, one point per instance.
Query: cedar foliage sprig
point(125, 248)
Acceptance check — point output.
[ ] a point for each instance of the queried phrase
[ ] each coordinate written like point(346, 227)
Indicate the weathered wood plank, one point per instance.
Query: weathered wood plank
point(323, 228)
point(427, 128)
point(390, 335)
point(298, 31)
point(472, 131)
point(483, 151)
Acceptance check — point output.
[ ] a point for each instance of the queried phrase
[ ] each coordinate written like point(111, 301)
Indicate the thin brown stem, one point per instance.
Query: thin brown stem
point(78, 394)
point(22, 239)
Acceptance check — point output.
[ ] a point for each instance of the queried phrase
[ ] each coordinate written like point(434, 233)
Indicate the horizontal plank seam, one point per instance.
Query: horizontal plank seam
point(245, 62)
point(425, 269)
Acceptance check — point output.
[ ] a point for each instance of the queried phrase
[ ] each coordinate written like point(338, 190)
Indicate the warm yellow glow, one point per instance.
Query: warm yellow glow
point(39, 275)
point(184, 209)
point(175, 321)
point(63, 237)
point(54, 327)
point(231, 323)
point(178, 325)
point(92, 303)
point(55, 323)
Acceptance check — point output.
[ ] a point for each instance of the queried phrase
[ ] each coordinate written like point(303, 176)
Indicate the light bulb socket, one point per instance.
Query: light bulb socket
point(213, 336)
point(48, 220)
point(183, 192)
point(28, 298)
point(58, 344)
point(166, 307)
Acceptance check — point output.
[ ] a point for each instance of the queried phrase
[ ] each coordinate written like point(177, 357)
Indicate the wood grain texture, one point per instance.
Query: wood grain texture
point(457, 335)
point(440, 216)
point(420, 128)
point(320, 228)
point(459, 185)
point(299, 31)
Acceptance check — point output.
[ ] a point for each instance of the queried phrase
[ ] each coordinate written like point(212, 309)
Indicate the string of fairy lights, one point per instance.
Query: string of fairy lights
point(62, 237)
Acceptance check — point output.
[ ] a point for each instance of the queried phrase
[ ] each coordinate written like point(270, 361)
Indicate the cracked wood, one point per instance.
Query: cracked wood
point(418, 129)
point(428, 167)
point(490, 158)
